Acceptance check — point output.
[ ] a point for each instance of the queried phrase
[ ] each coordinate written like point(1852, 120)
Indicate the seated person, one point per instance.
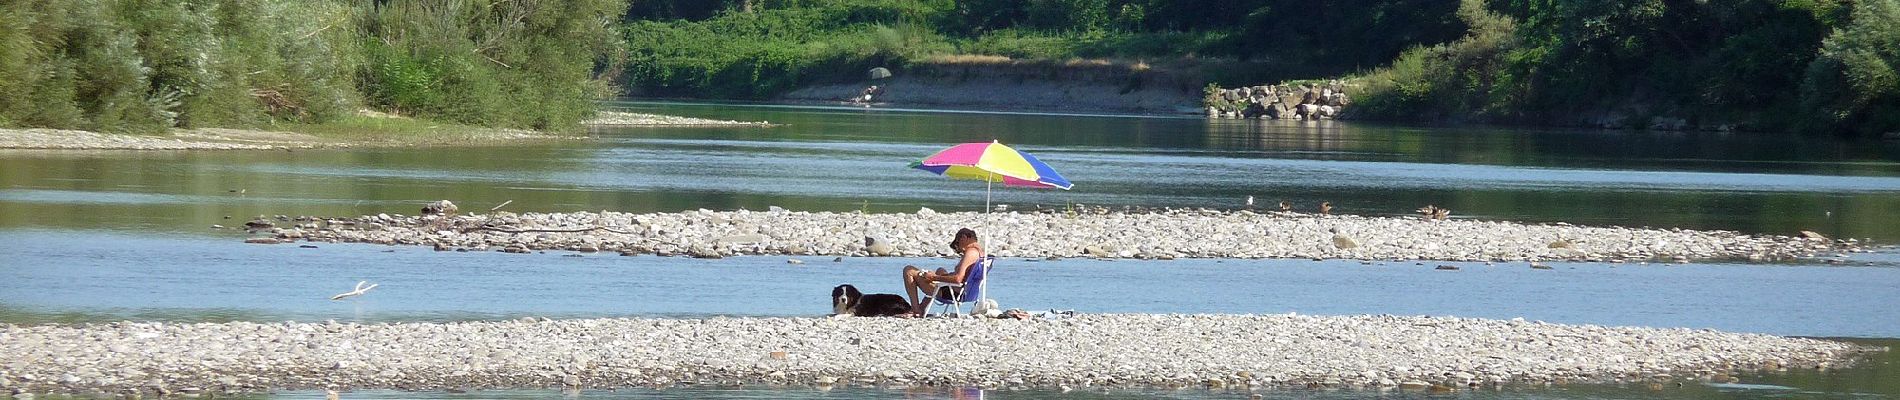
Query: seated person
point(917, 280)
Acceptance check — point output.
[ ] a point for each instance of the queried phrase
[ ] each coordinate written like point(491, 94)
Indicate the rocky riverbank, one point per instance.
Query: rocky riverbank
point(67, 139)
point(252, 139)
point(1146, 235)
point(1291, 101)
point(1217, 351)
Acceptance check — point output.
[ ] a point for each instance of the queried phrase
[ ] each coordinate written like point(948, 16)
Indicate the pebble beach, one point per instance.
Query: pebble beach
point(66, 139)
point(1213, 351)
point(1163, 235)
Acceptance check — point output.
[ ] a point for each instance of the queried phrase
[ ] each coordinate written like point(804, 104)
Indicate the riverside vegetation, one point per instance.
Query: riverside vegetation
point(1815, 66)
point(1776, 65)
point(140, 66)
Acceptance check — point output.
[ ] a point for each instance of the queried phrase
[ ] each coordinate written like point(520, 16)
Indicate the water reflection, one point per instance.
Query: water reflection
point(841, 160)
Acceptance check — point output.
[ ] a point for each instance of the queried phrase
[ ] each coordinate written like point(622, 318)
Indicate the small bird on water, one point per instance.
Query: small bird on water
point(1250, 202)
point(1326, 207)
point(1285, 206)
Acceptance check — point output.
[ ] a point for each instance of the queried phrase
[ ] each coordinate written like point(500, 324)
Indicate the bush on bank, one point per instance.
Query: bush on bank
point(1777, 65)
point(151, 65)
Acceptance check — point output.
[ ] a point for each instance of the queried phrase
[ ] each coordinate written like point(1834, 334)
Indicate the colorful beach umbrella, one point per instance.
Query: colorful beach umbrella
point(993, 162)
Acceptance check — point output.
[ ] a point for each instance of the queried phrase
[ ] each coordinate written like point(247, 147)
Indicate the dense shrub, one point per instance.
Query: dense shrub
point(1854, 86)
point(1796, 65)
point(1462, 79)
point(150, 65)
point(768, 51)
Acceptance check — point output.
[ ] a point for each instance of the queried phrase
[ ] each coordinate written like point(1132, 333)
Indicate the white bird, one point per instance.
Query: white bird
point(360, 289)
point(1249, 202)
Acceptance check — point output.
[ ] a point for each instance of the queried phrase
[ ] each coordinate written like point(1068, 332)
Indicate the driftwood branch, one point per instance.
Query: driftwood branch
point(360, 289)
point(503, 204)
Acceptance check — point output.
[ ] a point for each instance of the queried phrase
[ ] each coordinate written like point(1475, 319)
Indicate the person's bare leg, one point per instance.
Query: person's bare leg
point(911, 284)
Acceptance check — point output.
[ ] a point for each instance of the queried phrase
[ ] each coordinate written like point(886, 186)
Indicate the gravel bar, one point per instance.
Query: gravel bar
point(1145, 235)
point(1126, 350)
point(621, 118)
point(66, 139)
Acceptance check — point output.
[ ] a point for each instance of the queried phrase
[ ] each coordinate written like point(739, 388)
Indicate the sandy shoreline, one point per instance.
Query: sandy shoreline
point(1156, 235)
point(1081, 351)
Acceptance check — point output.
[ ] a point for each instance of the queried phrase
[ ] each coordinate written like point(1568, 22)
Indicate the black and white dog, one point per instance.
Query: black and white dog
point(847, 300)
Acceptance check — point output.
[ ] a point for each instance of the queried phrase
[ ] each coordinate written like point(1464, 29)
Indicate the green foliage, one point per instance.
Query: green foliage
point(1741, 57)
point(1210, 96)
point(150, 65)
point(519, 63)
point(1076, 15)
point(1853, 85)
point(1764, 64)
point(771, 50)
point(782, 44)
point(1028, 44)
point(1345, 35)
point(1462, 79)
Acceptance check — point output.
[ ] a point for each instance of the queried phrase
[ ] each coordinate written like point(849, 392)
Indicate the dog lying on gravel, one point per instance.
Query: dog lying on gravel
point(847, 300)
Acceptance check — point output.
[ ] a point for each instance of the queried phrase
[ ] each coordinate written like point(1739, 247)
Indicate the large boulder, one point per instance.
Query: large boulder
point(1279, 111)
point(1254, 110)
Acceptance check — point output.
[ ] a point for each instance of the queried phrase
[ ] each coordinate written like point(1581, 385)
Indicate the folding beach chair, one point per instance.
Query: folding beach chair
point(973, 289)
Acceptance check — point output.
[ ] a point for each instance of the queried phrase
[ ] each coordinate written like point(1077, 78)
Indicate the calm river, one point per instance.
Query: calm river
point(106, 236)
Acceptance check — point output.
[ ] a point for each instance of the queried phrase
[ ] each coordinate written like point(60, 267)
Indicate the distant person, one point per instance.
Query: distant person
point(917, 280)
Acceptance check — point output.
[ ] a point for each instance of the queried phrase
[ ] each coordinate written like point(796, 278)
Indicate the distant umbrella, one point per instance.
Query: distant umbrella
point(880, 73)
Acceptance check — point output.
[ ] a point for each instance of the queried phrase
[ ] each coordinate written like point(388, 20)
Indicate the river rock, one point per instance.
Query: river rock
point(878, 247)
point(741, 239)
point(1083, 231)
point(704, 252)
point(440, 207)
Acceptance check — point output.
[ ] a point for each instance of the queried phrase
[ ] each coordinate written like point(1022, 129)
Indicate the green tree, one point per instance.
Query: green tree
point(1853, 85)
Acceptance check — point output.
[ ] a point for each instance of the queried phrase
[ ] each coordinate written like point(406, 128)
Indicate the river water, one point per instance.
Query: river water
point(106, 236)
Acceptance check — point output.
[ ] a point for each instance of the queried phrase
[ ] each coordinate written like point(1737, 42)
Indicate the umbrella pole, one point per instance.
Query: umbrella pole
point(986, 191)
point(986, 227)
